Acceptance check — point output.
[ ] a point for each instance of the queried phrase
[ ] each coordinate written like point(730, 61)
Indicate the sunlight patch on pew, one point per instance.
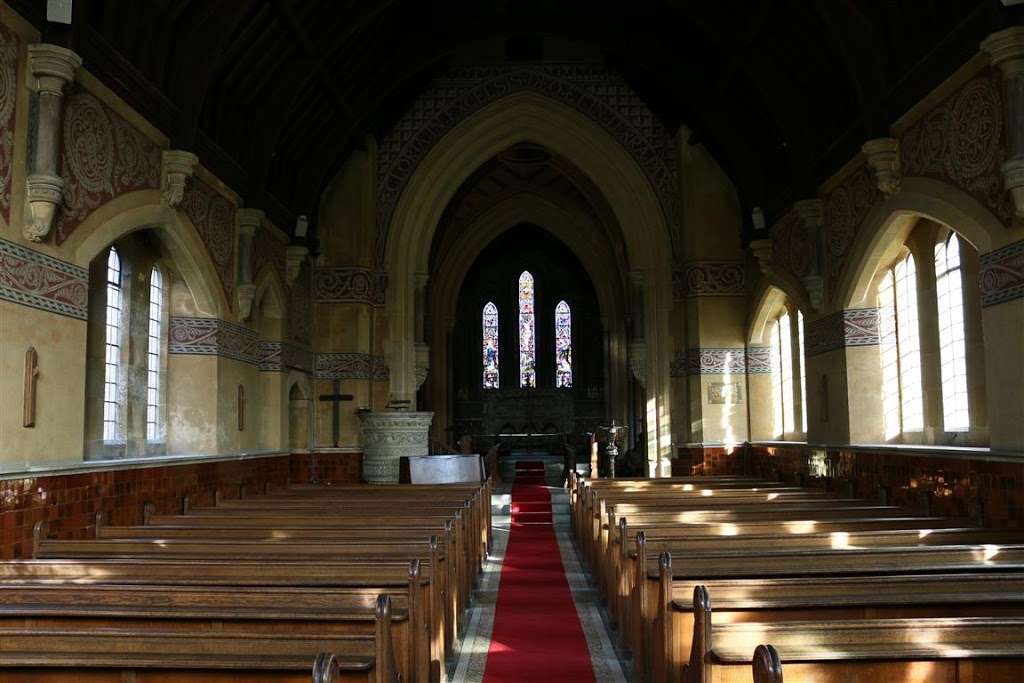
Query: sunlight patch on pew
point(805, 526)
point(729, 530)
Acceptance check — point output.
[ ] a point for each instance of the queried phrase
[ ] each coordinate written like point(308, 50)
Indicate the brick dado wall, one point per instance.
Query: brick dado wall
point(69, 502)
point(990, 490)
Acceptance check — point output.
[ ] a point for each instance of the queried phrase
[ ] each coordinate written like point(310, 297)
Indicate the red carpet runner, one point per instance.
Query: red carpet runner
point(537, 635)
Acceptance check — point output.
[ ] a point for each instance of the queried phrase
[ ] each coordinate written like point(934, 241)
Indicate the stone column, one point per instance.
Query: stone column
point(248, 221)
point(1006, 49)
point(52, 68)
point(387, 436)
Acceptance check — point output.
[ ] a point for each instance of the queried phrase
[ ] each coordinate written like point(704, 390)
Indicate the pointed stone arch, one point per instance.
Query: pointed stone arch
point(888, 223)
point(531, 117)
point(143, 210)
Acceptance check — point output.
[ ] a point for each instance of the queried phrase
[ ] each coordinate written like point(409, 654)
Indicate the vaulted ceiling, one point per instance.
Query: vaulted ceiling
point(273, 94)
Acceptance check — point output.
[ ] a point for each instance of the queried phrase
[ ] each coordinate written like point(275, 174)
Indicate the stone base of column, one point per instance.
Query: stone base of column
point(387, 436)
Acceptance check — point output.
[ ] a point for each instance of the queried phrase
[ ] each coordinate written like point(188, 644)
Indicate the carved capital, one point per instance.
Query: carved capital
point(45, 193)
point(177, 166)
point(248, 221)
point(294, 256)
point(883, 157)
point(638, 361)
point(1013, 179)
point(246, 296)
point(52, 67)
point(763, 252)
point(1006, 50)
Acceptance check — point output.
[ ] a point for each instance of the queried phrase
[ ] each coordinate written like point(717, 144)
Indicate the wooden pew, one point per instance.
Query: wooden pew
point(838, 599)
point(620, 560)
point(362, 569)
point(820, 564)
point(964, 650)
point(845, 540)
point(51, 655)
point(250, 609)
point(465, 570)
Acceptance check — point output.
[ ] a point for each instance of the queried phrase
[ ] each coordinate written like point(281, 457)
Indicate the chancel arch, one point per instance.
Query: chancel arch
point(529, 117)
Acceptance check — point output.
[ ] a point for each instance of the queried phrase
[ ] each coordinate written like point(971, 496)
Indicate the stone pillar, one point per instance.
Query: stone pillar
point(248, 221)
point(1006, 49)
point(387, 436)
point(1002, 319)
point(52, 68)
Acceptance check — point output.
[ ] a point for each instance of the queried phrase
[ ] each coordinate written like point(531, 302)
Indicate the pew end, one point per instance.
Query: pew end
point(325, 668)
point(148, 511)
point(40, 531)
point(767, 665)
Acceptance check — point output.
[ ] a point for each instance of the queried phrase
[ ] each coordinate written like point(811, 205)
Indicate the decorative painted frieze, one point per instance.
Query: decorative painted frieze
point(716, 361)
point(960, 142)
point(350, 366)
point(845, 208)
point(213, 337)
point(300, 308)
point(214, 219)
point(852, 327)
point(103, 157)
point(714, 278)
point(712, 361)
point(759, 360)
point(349, 285)
point(32, 279)
point(592, 89)
point(9, 45)
point(275, 356)
point(1002, 275)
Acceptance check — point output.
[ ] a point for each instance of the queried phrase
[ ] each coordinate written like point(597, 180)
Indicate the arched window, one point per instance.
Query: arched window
point(112, 350)
point(952, 347)
point(154, 356)
point(489, 324)
point(781, 352)
point(902, 401)
point(803, 371)
point(563, 346)
point(527, 327)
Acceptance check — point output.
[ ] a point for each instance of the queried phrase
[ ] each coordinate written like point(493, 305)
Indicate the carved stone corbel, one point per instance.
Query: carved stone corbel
point(764, 253)
point(177, 166)
point(248, 222)
point(638, 361)
point(883, 157)
point(1006, 51)
point(52, 69)
point(295, 254)
point(811, 213)
point(422, 363)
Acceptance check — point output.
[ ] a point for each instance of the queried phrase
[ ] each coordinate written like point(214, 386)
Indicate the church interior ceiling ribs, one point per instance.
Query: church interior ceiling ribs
point(783, 94)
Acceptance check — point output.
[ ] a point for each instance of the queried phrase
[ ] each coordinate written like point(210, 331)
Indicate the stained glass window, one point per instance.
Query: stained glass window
point(492, 378)
point(527, 327)
point(563, 346)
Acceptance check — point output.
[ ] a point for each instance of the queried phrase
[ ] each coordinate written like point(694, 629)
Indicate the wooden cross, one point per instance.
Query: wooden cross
point(336, 399)
point(29, 396)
